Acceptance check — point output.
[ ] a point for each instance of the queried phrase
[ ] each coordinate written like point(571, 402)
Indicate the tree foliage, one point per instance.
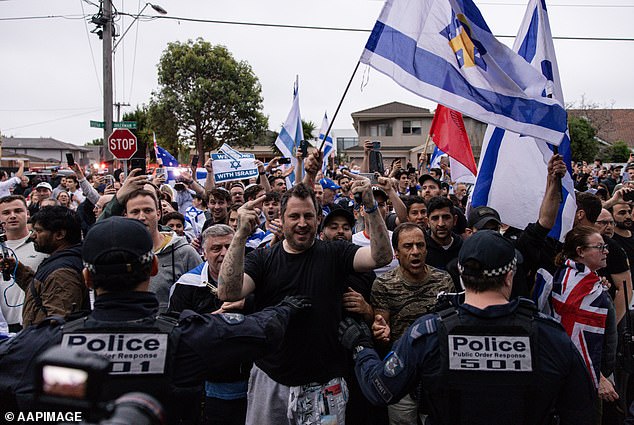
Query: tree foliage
point(307, 128)
point(583, 145)
point(206, 96)
point(618, 152)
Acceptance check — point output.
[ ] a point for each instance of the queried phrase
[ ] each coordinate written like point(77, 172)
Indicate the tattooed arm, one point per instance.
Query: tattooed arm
point(233, 283)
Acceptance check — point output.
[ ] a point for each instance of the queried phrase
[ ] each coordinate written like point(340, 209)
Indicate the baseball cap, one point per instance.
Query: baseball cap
point(326, 183)
point(129, 239)
point(487, 254)
point(45, 185)
point(480, 216)
point(339, 212)
point(422, 179)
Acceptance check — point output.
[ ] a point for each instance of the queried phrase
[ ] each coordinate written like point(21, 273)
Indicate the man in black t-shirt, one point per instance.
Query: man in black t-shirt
point(310, 363)
point(443, 244)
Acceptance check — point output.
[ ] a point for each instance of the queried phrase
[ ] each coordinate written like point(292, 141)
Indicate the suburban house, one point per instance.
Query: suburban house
point(402, 130)
point(43, 152)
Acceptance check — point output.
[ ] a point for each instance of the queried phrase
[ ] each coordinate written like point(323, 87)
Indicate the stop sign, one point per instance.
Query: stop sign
point(122, 143)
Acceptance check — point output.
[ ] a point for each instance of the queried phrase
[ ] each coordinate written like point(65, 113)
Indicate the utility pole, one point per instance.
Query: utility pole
point(118, 105)
point(107, 72)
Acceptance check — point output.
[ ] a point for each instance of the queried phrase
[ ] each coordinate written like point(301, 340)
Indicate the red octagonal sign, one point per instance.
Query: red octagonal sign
point(122, 143)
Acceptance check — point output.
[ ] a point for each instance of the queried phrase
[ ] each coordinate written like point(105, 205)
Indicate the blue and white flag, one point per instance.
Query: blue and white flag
point(513, 169)
point(229, 165)
point(292, 132)
point(443, 50)
point(434, 161)
point(328, 146)
point(166, 158)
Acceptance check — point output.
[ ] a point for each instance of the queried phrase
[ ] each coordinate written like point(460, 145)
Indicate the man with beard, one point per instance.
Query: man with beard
point(429, 187)
point(13, 213)
point(443, 244)
point(310, 364)
point(404, 294)
point(57, 287)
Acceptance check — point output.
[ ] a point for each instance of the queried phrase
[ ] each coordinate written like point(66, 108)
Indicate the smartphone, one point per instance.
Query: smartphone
point(195, 161)
point(138, 163)
point(70, 159)
point(628, 196)
point(161, 172)
point(303, 146)
point(283, 161)
point(109, 180)
point(373, 177)
point(376, 145)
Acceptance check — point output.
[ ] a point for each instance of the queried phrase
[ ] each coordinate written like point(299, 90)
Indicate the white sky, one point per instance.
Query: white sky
point(49, 86)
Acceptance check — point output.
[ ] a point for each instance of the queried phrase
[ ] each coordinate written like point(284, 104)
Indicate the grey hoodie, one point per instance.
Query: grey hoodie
point(175, 259)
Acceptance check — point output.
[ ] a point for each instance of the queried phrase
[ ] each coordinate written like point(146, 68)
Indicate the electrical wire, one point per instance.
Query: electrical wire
point(53, 120)
point(92, 54)
point(136, 39)
point(304, 27)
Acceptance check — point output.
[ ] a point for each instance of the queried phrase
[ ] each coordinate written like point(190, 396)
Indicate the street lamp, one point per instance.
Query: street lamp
point(156, 7)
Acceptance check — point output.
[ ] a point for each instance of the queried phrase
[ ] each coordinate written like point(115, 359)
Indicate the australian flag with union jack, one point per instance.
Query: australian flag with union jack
point(580, 303)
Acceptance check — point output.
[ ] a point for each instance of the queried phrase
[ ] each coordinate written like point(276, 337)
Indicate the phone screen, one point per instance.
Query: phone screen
point(70, 159)
point(195, 161)
point(284, 161)
point(138, 163)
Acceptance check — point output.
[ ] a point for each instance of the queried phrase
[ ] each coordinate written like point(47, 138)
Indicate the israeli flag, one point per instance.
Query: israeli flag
point(328, 146)
point(292, 132)
point(166, 158)
point(443, 50)
point(434, 161)
point(513, 169)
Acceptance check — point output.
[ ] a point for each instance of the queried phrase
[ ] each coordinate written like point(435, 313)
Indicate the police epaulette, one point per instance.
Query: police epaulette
point(426, 327)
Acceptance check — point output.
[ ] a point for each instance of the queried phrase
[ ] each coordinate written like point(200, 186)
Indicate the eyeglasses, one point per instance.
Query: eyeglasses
point(605, 222)
point(600, 247)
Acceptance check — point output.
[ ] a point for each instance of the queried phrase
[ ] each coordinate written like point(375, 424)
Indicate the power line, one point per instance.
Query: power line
point(321, 28)
point(46, 109)
point(52, 120)
point(92, 54)
point(303, 27)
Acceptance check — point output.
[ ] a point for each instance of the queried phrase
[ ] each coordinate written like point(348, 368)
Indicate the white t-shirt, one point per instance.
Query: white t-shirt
point(361, 240)
point(11, 295)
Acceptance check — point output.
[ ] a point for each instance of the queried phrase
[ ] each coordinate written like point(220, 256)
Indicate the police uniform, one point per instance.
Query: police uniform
point(504, 364)
point(166, 357)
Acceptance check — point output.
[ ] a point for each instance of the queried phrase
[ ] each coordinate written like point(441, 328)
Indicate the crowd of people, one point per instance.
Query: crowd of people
point(305, 297)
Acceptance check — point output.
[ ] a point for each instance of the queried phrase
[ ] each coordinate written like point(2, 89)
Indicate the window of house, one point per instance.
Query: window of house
point(412, 127)
point(378, 130)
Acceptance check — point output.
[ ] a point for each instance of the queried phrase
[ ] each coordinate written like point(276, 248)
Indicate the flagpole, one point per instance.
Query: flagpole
point(425, 149)
point(334, 117)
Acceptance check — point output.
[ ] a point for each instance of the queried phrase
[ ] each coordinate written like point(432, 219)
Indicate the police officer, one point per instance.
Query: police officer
point(489, 360)
point(166, 357)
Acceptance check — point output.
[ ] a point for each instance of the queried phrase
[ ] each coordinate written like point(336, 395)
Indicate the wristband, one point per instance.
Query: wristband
point(372, 209)
point(262, 173)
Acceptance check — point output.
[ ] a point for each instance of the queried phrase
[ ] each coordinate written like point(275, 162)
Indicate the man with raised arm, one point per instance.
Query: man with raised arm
point(309, 365)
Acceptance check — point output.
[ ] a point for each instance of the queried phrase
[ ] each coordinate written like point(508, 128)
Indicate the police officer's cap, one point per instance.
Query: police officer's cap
point(127, 239)
point(487, 254)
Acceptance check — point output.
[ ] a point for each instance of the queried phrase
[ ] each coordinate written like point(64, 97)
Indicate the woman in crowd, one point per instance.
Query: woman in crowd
point(581, 303)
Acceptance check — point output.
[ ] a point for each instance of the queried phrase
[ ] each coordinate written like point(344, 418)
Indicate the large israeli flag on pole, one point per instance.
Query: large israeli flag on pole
point(443, 50)
point(513, 169)
point(292, 132)
point(328, 147)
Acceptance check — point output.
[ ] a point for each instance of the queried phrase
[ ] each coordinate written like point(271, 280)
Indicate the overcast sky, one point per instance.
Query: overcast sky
point(51, 78)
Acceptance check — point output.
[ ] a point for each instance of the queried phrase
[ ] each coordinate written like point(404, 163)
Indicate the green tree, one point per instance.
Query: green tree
point(618, 152)
point(583, 145)
point(307, 128)
point(206, 96)
point(95, 142)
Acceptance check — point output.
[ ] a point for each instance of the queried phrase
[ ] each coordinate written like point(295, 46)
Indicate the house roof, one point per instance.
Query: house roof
point(611, 124)
point(40, 143)
point(391, 108)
